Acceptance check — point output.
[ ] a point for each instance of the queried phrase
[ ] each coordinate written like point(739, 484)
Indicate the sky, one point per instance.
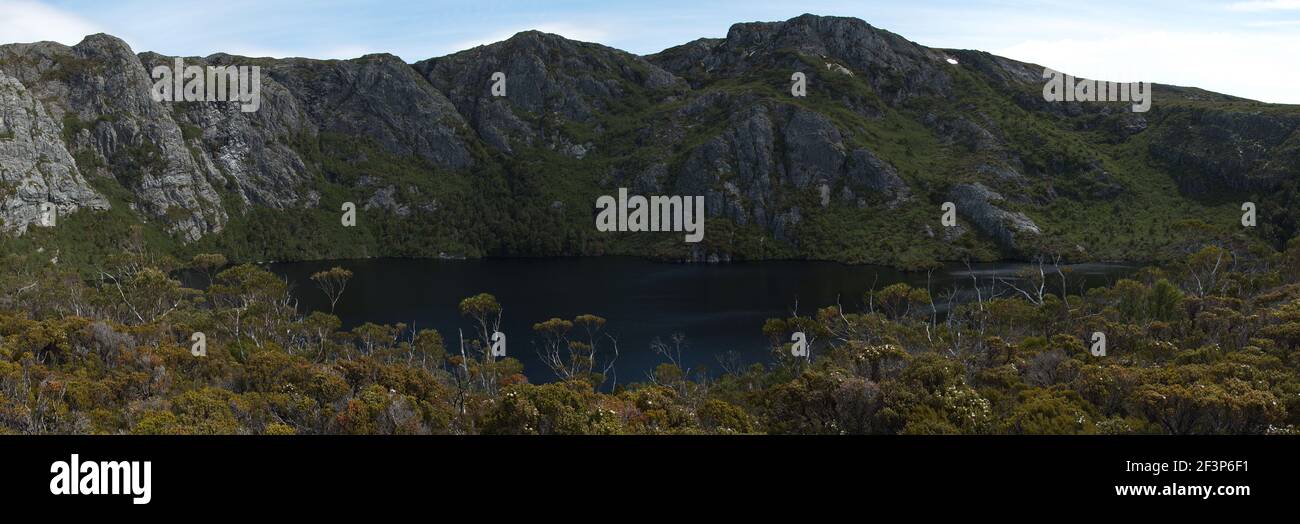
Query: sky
point(1248, 48)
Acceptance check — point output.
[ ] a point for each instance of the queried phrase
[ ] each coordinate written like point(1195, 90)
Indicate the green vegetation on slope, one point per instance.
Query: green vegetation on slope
point(1208, 344)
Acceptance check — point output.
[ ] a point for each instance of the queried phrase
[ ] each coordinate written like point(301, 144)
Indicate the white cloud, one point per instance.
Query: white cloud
point(30, 21)
point(1255, 66)
point(1265, 5)
point(1274, 23)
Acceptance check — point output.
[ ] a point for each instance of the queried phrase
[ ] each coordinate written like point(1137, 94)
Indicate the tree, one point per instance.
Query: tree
point(332, 283)
point(1051, 412)
point(1178, 408)
point(147, 294)
point(555, 346)
point(721, 417)
point(316, 330)
point(252, 303)
point(562, 408)
point(1165, 301)
point(899, 300)
point(208, 264)
point(571, 358)
point(674, 372)
point(486, 312)
point(1205, 269)
point(931, 396)
point(874, 355)
point(428, 345)
point(375, 338)
point(805, 405)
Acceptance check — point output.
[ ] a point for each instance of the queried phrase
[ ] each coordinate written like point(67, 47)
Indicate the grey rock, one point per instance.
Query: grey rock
point(101, 85)
point(35, 167)
point(746, 170)
point(814, 149)
point(248, 153)
point(784, 223)
point(650, 181)
point(381, 98)
point(1218, 151)
point(385, 198)
point(896, 68)
point(877, 176)
point(549, 80)
point(977, 203)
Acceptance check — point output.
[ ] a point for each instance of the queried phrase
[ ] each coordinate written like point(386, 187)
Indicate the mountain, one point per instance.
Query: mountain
point(856, 171)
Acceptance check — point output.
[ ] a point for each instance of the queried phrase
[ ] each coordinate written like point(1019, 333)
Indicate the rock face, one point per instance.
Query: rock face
point(381, 98)
point(549, 81)
point(883, 136)
point(99, 90)
point(176, 159)
point(1209, 151)
point(247, 153)
point(258, 155)
point(978, 205)
point(895, 67)
point(35, 167)
point(767, 152)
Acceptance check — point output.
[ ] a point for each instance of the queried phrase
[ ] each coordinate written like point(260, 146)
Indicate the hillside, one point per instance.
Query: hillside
point(854, 172)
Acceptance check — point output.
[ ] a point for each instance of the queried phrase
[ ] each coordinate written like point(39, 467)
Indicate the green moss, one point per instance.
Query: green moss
point(191, 132)
point(68, 67)
point(73, 125)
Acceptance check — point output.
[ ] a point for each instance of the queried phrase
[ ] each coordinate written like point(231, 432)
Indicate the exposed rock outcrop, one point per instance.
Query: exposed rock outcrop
point(99, 90)
point(549, 81)
point(895, 67)
point(1217, 151)
point(35, 167)
point(977, 203)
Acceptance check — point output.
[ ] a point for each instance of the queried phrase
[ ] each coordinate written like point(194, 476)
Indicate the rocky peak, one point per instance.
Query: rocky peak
point(549, 80)
point(380, 97)
point(882, 57)
point(99, 91)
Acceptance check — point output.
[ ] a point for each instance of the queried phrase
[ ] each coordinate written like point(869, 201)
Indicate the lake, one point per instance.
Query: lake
point(719, 308)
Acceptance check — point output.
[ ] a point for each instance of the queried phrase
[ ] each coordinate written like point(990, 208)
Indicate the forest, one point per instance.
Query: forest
point(1204, 345)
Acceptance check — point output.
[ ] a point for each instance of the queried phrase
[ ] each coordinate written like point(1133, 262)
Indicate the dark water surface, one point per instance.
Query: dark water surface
point(718, 308)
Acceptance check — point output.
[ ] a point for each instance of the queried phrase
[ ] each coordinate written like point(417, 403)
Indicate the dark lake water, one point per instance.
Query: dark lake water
point(718, 308)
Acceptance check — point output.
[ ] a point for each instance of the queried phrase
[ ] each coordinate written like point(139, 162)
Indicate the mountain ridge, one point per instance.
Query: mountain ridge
point(890, 130)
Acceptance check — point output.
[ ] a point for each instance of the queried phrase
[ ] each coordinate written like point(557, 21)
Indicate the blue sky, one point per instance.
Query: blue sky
point(1241, 47)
